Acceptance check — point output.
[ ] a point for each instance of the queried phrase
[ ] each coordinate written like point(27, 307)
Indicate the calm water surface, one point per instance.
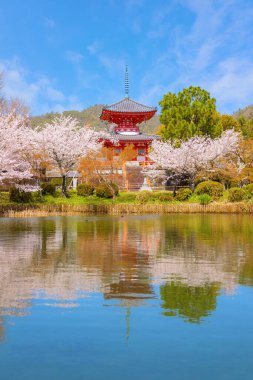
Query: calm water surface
point(140, 297)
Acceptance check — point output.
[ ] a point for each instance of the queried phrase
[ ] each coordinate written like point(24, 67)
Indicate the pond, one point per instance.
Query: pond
point(131, 297)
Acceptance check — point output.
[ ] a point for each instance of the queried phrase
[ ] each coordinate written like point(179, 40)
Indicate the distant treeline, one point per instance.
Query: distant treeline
point(91, 116)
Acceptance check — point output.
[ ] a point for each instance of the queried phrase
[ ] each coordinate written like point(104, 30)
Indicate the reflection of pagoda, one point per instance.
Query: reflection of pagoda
point(130, 293)
point(130, 290)
point(127, 114)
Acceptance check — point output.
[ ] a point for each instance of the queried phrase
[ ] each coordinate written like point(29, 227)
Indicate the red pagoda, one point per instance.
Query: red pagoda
point(126, 115)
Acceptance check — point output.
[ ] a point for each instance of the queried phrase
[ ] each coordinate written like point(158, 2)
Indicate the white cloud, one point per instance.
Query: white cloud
point(50, 23)
point(86, 78)
point(131, 5)
point(74, 56)
point(53, 94)
point(214, 51)
point(111, 64)
point(39, 94)
point(93, 47)
point(152, 93)
point(210, 45)
point(136, 26)
point(232, 83)
point(15, 84)
point(160, 22)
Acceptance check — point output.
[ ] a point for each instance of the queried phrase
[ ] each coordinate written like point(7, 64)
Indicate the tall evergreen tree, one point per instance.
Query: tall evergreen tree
point(191, 112)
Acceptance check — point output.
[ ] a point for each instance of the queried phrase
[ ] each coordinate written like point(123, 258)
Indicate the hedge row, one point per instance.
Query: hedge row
point(206, 191)
point(102, 190)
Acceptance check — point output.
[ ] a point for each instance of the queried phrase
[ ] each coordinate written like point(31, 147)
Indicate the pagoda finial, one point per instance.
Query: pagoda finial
point(126, 83)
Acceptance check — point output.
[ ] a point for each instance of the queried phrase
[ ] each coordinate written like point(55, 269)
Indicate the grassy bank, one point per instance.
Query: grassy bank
point(124, 203)
point(122, 198)
point(121, 209)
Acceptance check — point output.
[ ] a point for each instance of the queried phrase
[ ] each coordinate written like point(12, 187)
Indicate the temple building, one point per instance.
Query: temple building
point(126, 115)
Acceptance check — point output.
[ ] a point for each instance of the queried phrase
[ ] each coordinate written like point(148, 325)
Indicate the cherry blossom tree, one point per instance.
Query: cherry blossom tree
point(13, 132)
point(65, 143)
point(235, 167)
point(191, 156)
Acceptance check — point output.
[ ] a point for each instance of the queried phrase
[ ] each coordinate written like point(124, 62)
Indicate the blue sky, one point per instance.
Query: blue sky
point(62, 54)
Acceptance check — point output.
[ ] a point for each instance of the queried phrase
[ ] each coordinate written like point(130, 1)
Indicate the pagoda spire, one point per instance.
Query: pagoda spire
point(126, 83)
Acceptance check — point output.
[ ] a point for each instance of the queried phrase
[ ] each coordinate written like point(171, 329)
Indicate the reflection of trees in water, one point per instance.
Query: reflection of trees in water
point(120, 256)
point(190, 302)
point(2, 333)
point(201, 248)
point(246, 270)
point(123, 257)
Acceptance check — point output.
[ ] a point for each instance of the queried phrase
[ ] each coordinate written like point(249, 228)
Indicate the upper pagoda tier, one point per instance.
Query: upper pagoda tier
point(126, 114)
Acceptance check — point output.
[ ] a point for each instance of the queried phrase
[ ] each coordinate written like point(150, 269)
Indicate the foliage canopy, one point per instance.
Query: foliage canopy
point(191, 112)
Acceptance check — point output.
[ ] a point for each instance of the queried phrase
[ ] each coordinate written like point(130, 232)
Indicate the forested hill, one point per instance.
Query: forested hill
point(91, 116)
point(246, 112)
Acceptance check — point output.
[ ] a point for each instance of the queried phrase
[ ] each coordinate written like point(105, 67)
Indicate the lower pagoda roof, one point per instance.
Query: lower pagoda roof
point(136, 137)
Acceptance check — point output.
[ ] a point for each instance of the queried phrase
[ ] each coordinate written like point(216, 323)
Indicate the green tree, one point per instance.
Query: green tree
point(190, 302)
point(191, 112)
point(229, 122)
point(246, 127)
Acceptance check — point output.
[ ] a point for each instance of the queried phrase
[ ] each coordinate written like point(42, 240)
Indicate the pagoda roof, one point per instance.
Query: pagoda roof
point(137, 137)
point(129, 105)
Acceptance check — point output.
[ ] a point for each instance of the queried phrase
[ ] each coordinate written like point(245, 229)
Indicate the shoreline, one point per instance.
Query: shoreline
point(26, 210)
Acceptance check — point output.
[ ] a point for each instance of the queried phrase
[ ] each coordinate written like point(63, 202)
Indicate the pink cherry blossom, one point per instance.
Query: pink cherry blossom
point(191, 156)
point(65, 143)
point(12, 143)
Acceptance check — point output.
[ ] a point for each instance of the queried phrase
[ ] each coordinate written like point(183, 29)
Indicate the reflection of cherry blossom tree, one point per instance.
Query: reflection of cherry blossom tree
point(65, 144)
point(13, 166)
point(191, 156)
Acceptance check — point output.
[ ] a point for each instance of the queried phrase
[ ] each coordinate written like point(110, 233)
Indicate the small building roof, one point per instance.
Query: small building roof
point(129, 105)
point(54, 173)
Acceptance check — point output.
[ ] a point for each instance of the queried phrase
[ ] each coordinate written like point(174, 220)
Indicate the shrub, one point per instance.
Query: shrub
point(183, 194)
point(212, 188)
point(85, 189)
point(105, 190)
point(165, 197)
point(236, 194)
point(205, 199)
point(115, 188)
point(144, 196)
point(57, 182)
point(4, 197)
point(249, 189)
point(48, 188)
point(19, 196)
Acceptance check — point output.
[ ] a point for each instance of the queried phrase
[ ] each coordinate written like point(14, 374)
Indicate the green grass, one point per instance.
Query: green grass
point(4, 198)
point(123, 198)
point(75, 199)
point(195, 198)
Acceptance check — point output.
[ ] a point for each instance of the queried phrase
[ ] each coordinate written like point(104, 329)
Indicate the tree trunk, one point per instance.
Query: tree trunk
point(64, 186)
point(192, 185)
point(112, 190)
